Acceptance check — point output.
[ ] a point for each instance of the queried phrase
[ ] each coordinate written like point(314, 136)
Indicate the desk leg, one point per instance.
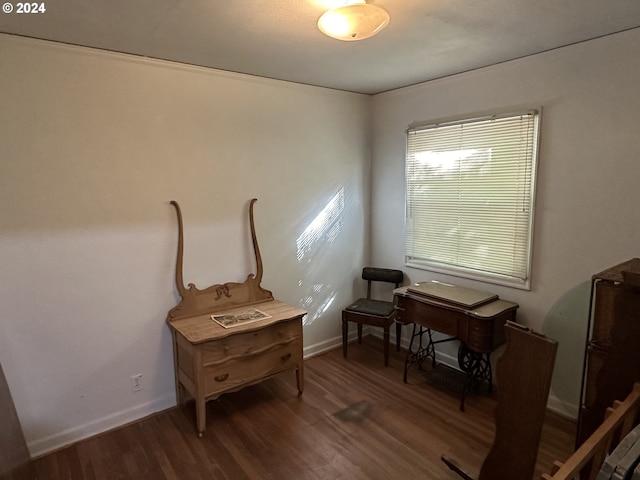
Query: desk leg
point(477, 369)
point(201, 415)
point(421, 352)
point(300, 377)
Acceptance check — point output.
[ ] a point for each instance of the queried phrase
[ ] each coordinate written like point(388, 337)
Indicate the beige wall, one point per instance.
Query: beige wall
point(587, 191)
point(93, 147)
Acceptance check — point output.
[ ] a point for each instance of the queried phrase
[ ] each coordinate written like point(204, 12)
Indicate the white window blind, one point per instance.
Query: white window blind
point(470, 196)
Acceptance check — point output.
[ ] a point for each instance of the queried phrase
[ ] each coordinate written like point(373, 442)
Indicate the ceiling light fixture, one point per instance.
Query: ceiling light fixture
point(356, 20)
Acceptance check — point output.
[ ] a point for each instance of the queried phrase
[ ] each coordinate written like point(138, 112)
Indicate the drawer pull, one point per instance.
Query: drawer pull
point(286, 357)
point(221, 378)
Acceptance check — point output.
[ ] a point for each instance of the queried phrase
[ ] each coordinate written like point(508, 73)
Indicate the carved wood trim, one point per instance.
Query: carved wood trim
point(218, 297)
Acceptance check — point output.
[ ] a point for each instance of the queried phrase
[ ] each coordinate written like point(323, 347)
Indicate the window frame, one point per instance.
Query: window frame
point(461, 270)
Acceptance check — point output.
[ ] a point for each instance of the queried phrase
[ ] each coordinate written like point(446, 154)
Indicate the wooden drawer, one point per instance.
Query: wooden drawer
point(439, 319)
point(485, 335)
point(399, 303)
point(239, 371)
point(249, 343)
point(480, 343)
point(480, 335)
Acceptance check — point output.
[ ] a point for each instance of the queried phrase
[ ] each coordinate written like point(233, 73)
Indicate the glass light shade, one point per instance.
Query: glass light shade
point(353, 22)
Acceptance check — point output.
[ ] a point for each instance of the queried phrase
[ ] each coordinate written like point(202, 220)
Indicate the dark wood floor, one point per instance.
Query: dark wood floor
point(355, 420)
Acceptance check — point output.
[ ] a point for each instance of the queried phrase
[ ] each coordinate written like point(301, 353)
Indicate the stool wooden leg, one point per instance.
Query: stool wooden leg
point(345, 335)
point(386, 346)
point(398, 335)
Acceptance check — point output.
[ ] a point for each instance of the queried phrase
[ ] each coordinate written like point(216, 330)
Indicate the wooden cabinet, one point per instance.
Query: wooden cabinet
point(211, 360)
point(612, 361)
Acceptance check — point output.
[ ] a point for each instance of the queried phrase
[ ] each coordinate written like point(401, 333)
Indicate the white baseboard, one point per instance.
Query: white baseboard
point(562, 408)
point(330, 344)
point(56, 441)
point(59, 440)
point(42, 446)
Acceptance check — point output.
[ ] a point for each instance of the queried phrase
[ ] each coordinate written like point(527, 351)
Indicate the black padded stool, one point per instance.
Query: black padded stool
point(368, 311)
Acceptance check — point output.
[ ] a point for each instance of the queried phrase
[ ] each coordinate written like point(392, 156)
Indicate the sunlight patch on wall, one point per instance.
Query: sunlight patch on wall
point(323, 230)
point(323, 292)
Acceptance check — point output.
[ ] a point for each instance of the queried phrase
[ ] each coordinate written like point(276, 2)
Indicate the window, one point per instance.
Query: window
point(470, 197)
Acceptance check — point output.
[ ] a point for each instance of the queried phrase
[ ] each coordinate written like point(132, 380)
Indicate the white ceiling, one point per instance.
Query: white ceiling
point(426, 39)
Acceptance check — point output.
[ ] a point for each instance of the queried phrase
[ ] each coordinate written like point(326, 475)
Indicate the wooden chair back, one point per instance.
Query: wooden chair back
point(524, 374)
point(388, 275)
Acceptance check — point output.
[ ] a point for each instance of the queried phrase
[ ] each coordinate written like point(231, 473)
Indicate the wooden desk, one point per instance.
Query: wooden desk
point(474, 318)
point(212, 360)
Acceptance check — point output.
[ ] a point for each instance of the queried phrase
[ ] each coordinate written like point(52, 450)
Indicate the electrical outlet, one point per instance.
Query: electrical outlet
point(136, 382)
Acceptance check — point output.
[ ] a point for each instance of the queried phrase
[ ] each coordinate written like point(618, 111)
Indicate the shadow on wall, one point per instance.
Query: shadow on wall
point(567, 322)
